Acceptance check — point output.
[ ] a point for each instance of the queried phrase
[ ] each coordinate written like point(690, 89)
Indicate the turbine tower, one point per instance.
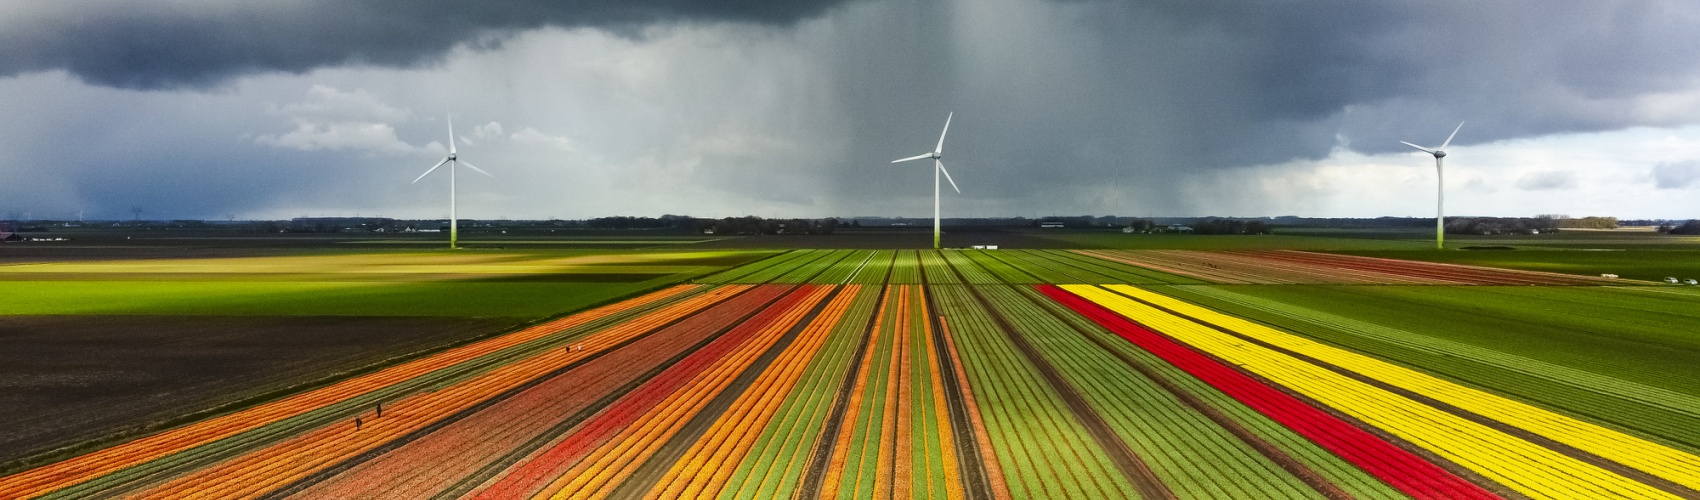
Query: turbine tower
point(1440, 196)
point(938, 168)
point(453, 160)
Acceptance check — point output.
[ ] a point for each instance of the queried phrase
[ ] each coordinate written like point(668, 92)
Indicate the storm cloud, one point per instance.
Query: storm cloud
point(174, 43)
point(796, 108)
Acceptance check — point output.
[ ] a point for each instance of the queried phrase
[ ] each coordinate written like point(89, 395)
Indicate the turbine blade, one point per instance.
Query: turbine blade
point(1449, 138)
point(940, 148)
point(475, 169)
point(940, 165)
point(921, 156)
point(1425, 150)
point(433, 169)
point(451, 134)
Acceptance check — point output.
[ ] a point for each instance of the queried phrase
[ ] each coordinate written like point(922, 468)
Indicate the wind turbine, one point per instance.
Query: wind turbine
point(454, 161)
point(1440, 197)
point(938, 168)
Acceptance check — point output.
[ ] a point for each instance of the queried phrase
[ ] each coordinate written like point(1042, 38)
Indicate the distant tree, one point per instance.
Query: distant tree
point(1688, 228)
point(1589, 223)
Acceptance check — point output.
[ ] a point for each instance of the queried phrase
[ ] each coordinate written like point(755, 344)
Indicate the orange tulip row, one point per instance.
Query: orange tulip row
point(847, 433)
point(85, 467)
point(615, 460)
point(988, 458)
point(290, 460)
point(460, 451)
point(896, 435)
point(704, 470)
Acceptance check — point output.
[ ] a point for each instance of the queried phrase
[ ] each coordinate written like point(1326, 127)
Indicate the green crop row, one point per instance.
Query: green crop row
point(1331, 467)
point(927, 437)
point(861, 464)
point(841, 271)
point(1043, 451)
point(970, 269)
point(740, 274)
point(806, 272)
point(876, 270)
point(775, 466)
point(906, 268)
point(1194, 456)
point(936, 270)
point(775, 272)
point(997, 267)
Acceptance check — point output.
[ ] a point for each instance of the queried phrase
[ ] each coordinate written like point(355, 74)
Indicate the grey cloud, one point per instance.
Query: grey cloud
point(200, 43)
point(1091, 106)
point(1547, 180)
point(1676, 175)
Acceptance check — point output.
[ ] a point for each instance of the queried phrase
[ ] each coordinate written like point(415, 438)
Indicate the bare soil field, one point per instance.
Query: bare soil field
point(69, 379)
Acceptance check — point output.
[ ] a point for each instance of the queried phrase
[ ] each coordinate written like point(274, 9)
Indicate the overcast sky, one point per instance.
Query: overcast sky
point(285, 108)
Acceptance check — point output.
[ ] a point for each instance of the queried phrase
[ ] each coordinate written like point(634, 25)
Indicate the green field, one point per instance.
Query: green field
point(514, 284)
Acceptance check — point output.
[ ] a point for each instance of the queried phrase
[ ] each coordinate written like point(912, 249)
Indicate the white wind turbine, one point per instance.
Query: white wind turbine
point(454, 160)
point(938, 168)
point(1440, 198)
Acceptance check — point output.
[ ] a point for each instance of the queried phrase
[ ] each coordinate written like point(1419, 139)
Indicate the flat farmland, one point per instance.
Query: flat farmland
point(103, 349)
point(993, 374)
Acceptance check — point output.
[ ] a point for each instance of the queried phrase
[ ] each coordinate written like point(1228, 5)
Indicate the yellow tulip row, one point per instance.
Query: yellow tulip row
point(1526, 467)
point(1647, 456)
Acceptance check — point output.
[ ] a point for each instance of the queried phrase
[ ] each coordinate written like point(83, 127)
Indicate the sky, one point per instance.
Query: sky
point(287, 108)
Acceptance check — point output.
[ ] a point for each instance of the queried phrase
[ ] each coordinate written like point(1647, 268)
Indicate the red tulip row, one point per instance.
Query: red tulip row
point(1398, 467)
point(592, 450)
point(438, 460)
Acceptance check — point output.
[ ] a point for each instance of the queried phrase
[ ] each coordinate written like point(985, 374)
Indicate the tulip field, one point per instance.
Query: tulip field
point(995, 374)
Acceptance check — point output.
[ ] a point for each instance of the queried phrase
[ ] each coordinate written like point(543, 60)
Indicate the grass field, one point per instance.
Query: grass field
point(1213, 372)
point(526, 285)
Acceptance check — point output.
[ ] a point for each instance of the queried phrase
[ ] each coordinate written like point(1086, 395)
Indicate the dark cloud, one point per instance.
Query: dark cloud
point(1089, 106)
point(155, 45)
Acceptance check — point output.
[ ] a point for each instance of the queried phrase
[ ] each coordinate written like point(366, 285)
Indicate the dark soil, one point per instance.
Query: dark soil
point(65, 380)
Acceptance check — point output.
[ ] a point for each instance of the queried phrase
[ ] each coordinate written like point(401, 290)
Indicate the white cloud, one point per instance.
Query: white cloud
point(342, 136)
point(533, 137)
point(328, 104)
point(335, 120)
point(492, 130)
